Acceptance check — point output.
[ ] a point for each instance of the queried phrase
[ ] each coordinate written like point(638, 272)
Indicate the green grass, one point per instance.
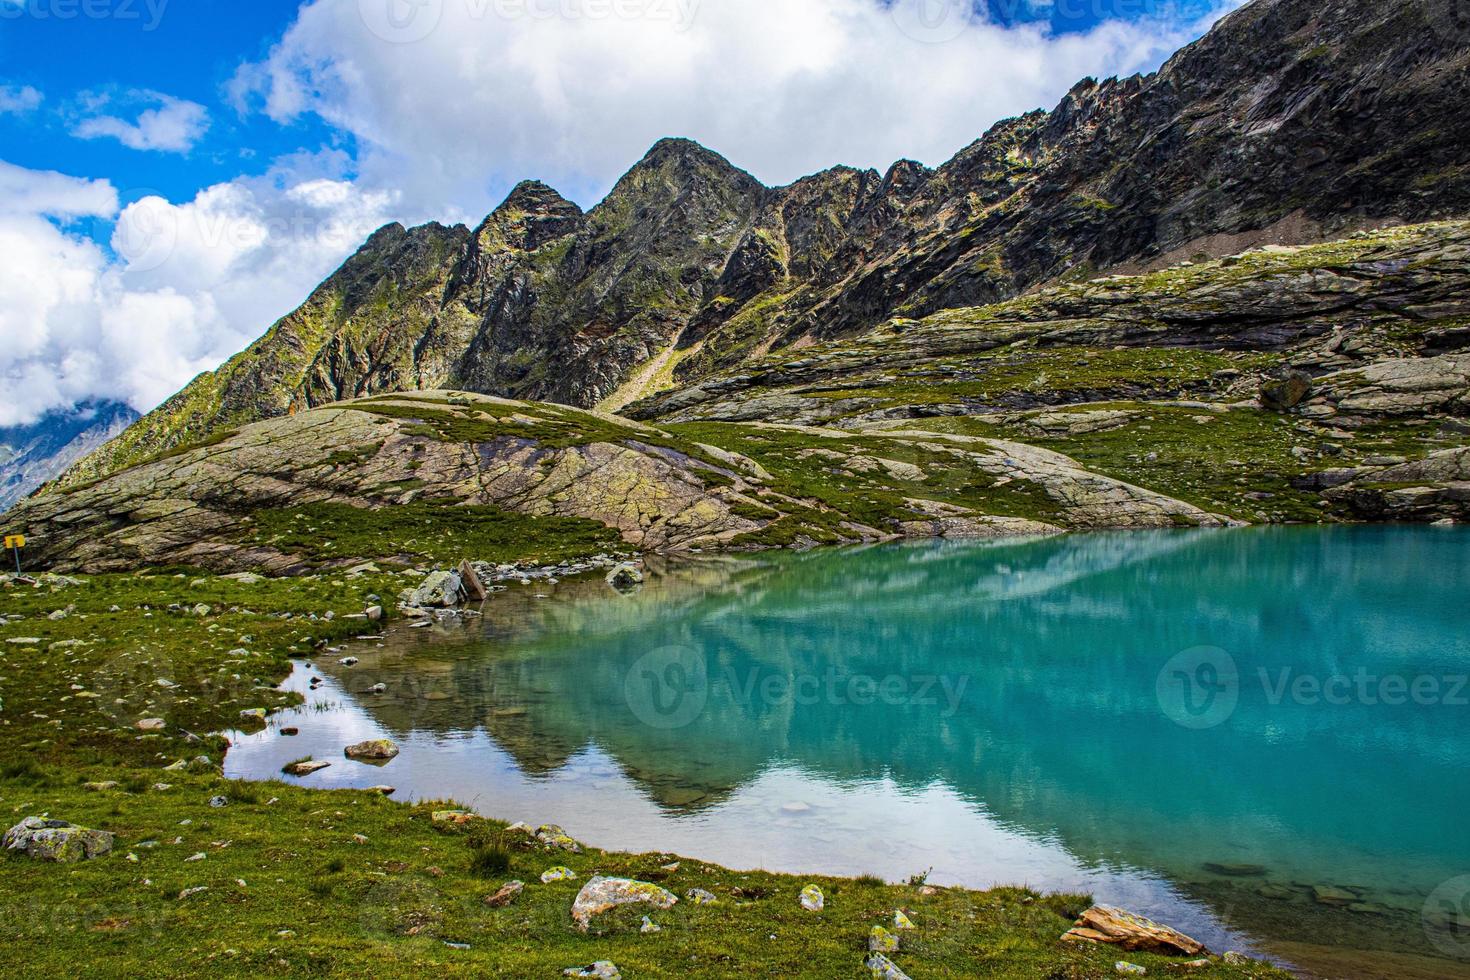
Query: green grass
point(428, 530)
point(291, 891)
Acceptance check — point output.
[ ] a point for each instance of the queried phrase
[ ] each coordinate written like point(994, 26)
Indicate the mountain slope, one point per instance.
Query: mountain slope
point(1291, 121)
point(32, 454)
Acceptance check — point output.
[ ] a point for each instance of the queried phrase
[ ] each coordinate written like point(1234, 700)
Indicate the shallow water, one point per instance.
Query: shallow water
point(1202, 726)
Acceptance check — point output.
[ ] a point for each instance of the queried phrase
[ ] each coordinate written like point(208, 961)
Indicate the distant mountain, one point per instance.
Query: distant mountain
point(32, 454)
point(1292, 121)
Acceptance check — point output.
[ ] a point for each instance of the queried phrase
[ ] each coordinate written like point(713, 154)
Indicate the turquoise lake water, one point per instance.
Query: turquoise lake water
point(1261, 736)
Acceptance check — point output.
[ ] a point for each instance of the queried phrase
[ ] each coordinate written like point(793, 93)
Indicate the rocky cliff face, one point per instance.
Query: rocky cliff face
point(32, 454)
point(1291, 121)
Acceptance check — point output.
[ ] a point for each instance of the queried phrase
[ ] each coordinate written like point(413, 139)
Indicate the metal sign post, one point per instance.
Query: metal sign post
point(15, 542)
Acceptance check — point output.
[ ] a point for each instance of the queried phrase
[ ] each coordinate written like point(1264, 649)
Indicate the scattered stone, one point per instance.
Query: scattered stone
point(219, 802)
point(508, 893)
point(880, 940)
point(192, 891)
point(1234, 958)
point(1284, 394)
point(649, 926)
point(373, 613)
point(812, 899)
point(601, 894)
point(375, 749)
point(378, 688)
point(557, 873)
point(700, 897)
point(882, 968)
point(458, 817)
point(150, 725)
point(1129, 968)
point(290, 732)
point(304, 768)
point(555, 838)
point(101, 787)
point(474, 590)
point(349, 661)
point(601, 970)
point(253, 714)
point(45, 839)
point(385, 790)
point(1114, 926)
point(902, 922)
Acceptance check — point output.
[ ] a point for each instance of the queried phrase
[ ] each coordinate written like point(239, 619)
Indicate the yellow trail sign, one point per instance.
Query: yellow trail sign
point(15, 541)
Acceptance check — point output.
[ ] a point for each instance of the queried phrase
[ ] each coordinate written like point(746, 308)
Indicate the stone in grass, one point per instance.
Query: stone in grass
point(601, 970)
point(649, 926)
point(253, 714)
point(554, 837)
point(456, 817)
point(305, 767)
point(100, 787)
point(880, 940)
point(56, 840)
point(507, 894)
point(882, 968)
point(700, 897)
point(373, 750)
point(602, 893)
point(1114, 926)
point(1129, 968)
point(812, 898)
point(557, 873)
point(901, 921)
point(150, 725)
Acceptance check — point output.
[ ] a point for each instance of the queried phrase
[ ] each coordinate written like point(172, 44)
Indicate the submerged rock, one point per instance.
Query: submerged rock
point(1114, 926)
point(304, 768)
point(601, 894)
point(57, 840)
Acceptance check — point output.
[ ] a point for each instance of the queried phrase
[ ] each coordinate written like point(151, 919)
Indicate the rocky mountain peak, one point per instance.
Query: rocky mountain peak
point(531, 215)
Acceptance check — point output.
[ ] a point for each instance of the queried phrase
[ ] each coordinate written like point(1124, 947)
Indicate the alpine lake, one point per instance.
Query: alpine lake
point(1259, 736)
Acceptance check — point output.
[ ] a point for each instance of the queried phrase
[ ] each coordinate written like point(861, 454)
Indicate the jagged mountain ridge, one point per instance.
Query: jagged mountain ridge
point(1290, 121)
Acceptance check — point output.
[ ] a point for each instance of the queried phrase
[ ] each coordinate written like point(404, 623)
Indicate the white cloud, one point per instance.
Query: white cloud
point(453, 100)
point(19, 100)
point(170, 124)
point(184, 287)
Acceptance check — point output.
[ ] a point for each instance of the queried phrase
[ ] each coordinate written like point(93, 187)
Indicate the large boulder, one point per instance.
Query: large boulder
point(1116, 927)
point(57, 840)
point(601, 894)
point(1284, 394)
point(437, 590)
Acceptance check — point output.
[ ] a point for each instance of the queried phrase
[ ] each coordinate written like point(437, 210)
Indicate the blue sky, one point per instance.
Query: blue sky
point(218, 159)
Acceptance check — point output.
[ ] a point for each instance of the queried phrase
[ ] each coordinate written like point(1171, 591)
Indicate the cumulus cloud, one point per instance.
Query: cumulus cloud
point(19, 100)
point(182, 287)
point(453, 100)
point(168, 124)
